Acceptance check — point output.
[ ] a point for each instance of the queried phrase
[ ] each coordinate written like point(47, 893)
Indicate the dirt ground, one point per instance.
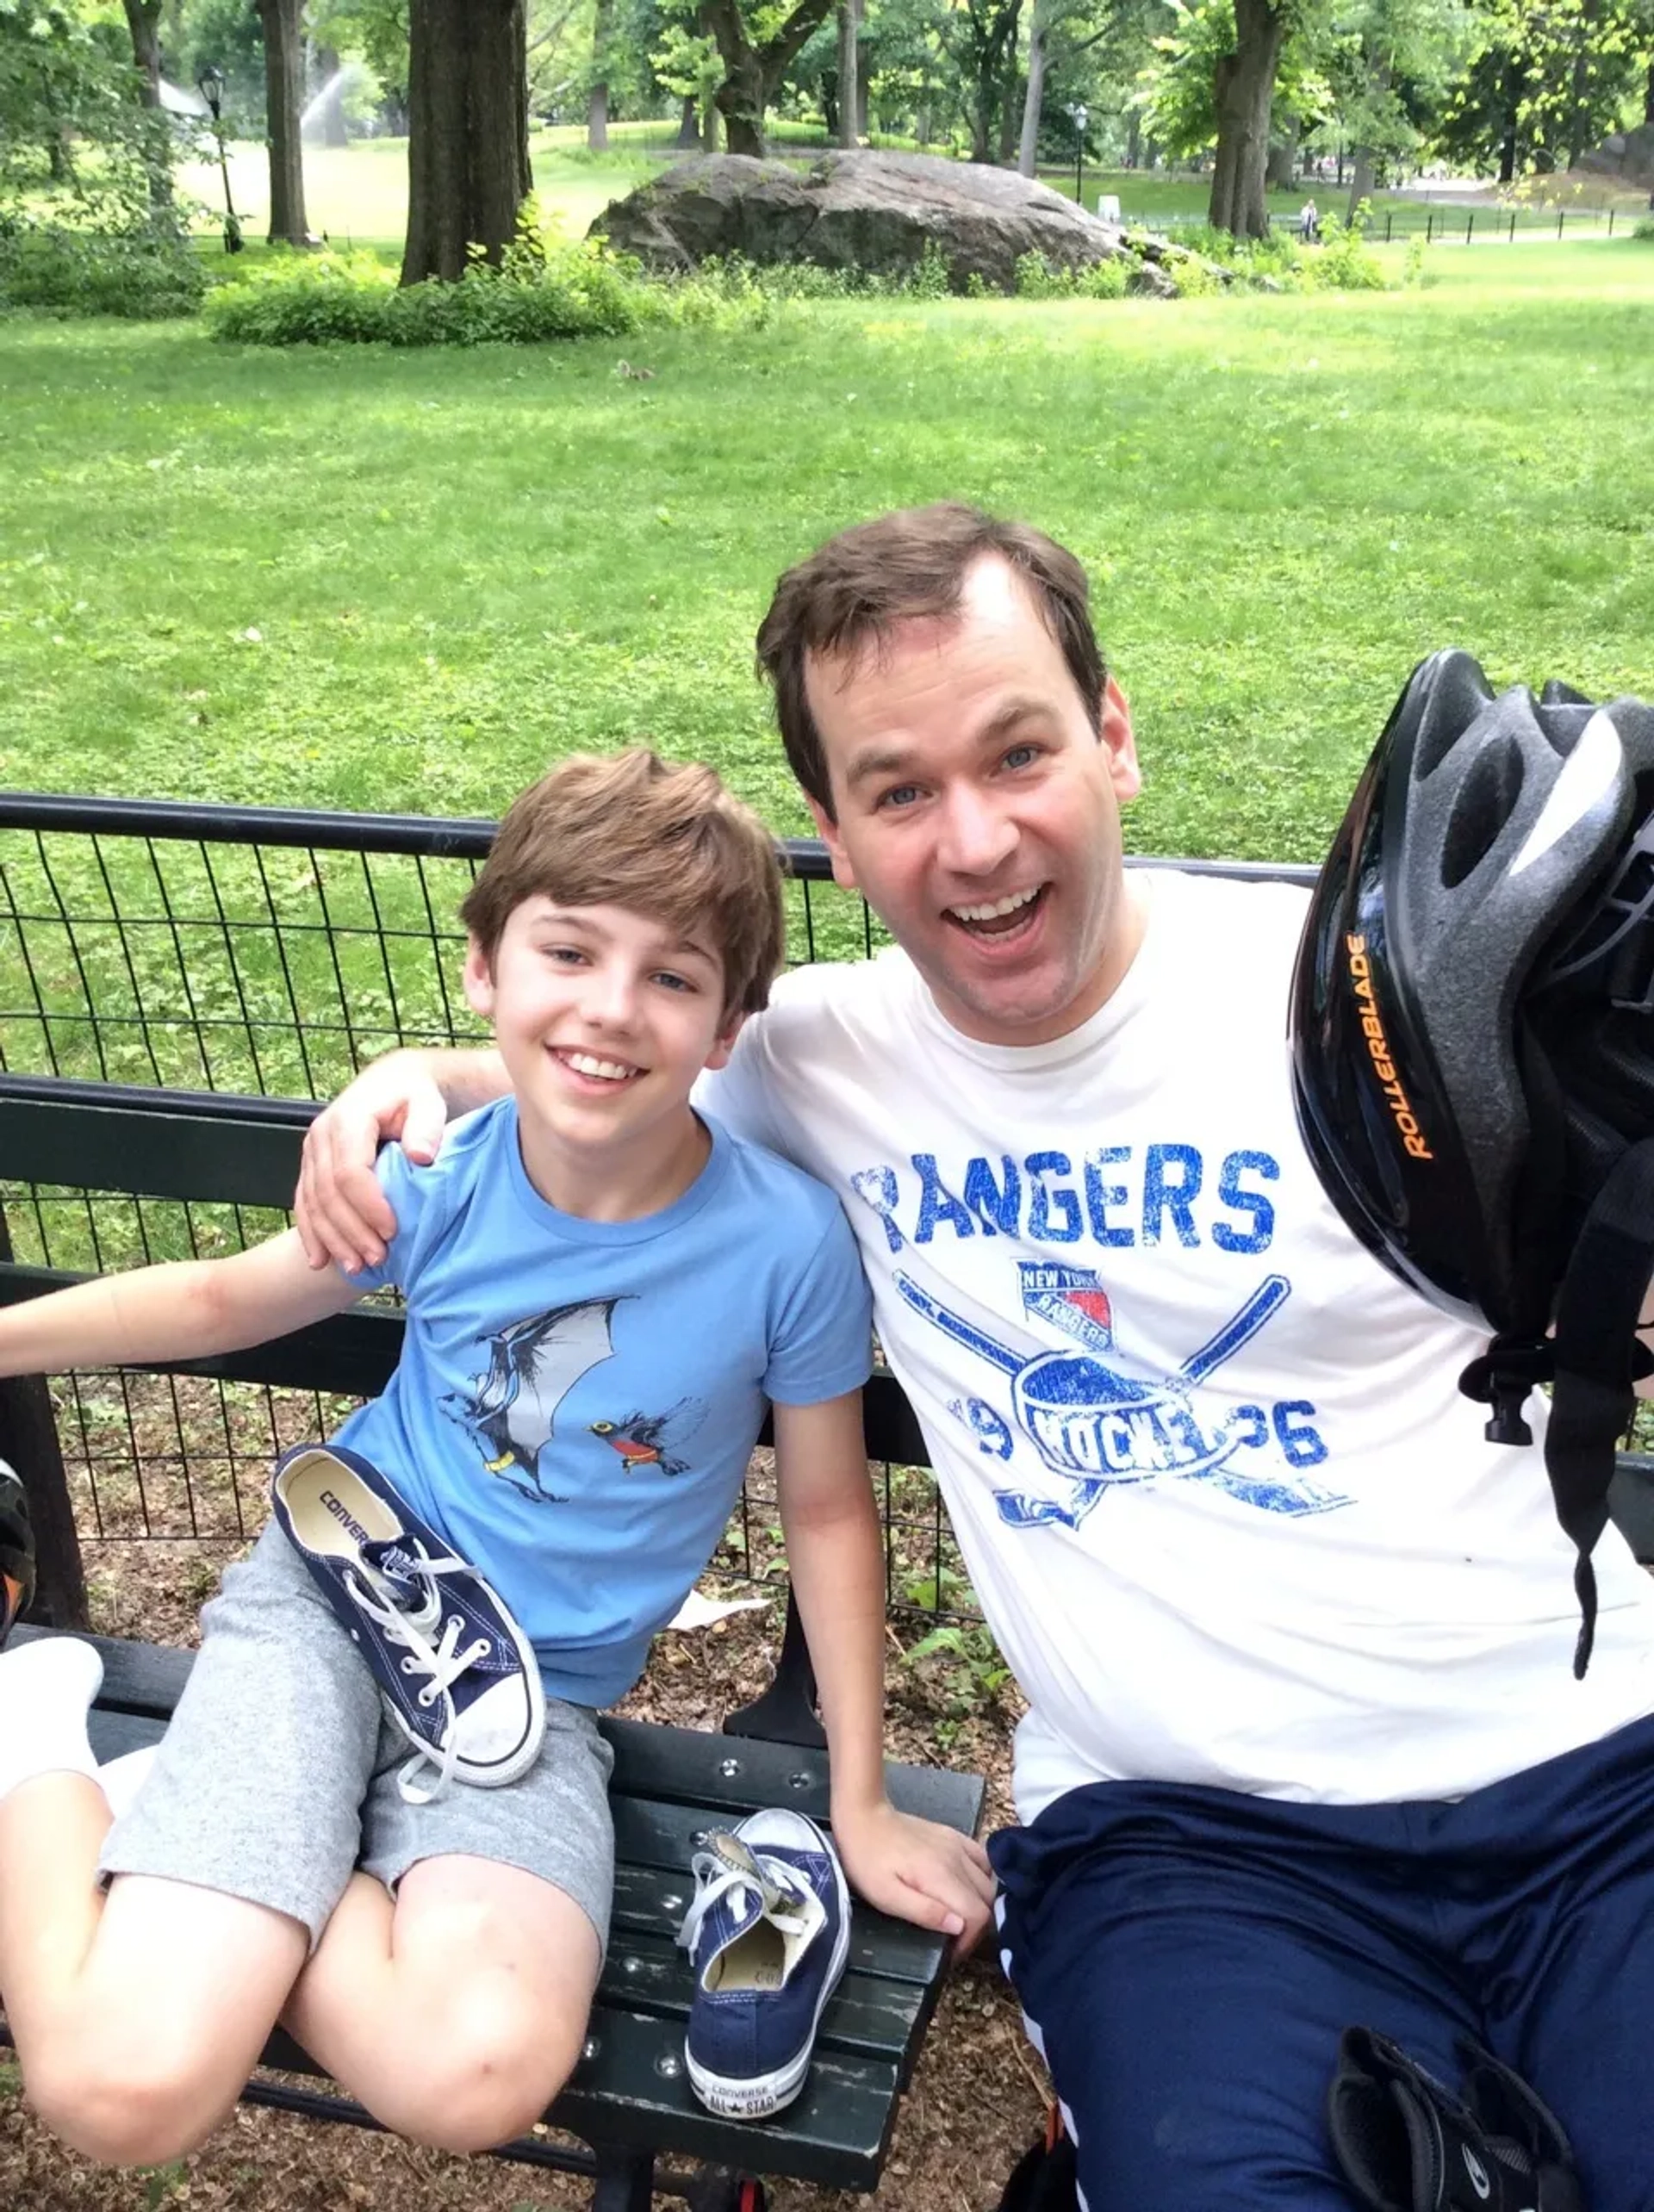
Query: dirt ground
point(977, 2098)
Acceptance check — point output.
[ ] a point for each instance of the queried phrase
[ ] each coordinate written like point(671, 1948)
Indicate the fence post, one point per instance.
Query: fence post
point(1562, 217)
point(1469, 226)
point(1512, 226)
point(1389, 217)
point(28, 1438)
point(1429, 222)
point(1610, 222)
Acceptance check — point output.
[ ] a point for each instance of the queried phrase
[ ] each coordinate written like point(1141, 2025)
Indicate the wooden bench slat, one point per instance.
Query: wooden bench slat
point(633, 2089)
point(868, 2015)
point(835, 2134)
point(743, 1773)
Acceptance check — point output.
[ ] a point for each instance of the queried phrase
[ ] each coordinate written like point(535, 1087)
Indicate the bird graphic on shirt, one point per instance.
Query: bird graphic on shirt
point(641, 1440)
point(533, 1365)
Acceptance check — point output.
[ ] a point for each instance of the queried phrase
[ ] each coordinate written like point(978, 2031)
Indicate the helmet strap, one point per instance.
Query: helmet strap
point(1598, 1358)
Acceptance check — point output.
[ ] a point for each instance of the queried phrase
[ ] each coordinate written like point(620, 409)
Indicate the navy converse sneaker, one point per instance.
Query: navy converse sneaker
point(769, 1932)
point(458, 1676)
point(17, 1551)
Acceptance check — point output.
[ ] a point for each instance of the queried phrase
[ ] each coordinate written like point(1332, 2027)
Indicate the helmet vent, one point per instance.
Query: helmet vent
point(1484, 804)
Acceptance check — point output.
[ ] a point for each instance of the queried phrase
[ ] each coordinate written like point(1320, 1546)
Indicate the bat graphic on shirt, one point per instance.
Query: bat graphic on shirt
point(533, 1365)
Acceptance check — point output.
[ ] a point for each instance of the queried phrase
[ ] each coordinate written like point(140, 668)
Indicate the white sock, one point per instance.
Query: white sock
point(46, 1689)
point(122, 1779)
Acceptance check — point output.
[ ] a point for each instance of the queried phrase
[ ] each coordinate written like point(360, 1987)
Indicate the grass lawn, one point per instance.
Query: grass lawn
point(377, 580)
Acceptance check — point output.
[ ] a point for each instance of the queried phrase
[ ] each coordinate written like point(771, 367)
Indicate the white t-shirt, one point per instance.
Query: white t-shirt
point(1228, 1514)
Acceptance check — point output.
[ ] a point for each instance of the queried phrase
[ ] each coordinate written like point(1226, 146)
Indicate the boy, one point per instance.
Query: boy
point(437, 1950)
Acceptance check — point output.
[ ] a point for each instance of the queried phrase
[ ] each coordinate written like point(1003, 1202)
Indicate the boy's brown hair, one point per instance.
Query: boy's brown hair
point(912, 563)
point(664, 840)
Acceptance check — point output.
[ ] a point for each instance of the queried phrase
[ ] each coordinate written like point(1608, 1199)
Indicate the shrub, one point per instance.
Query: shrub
point(1039, 279)
point(1192, 276)
point(1645, 228)
point(930, 280)
point(1346, 263)
point(142, 274)
point(538, 293)
point(1108, 280)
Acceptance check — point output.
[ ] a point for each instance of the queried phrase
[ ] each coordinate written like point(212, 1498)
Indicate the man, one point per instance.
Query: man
point(1304, 1749)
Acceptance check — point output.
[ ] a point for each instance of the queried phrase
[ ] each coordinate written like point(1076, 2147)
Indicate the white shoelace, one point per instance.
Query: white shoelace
point(441, 1663)
point(715, 1879)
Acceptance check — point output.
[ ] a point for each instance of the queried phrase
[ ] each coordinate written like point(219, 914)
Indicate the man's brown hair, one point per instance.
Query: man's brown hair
point(667, 840)
point(860, 584)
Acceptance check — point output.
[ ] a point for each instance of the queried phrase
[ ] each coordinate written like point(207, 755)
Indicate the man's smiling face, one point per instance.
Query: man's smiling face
point(978, 810)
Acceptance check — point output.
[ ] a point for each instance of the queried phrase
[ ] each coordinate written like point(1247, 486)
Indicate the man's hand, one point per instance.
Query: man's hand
point(916, 1869)
point(341, 1215)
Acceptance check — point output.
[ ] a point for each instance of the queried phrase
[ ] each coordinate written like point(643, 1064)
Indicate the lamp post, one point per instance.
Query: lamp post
point(210, 85)
point(1077, 115)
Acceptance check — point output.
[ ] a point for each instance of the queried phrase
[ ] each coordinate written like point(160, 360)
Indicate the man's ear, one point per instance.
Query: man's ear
point(724, 1045)
point(1116, 737)
point(479, 980)
point(828, 830)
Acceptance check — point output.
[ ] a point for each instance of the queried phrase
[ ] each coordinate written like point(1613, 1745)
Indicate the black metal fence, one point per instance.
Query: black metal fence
point(272, 952)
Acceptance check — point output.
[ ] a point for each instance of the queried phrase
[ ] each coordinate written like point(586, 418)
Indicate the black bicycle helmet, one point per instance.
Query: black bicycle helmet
point(1472, 1044)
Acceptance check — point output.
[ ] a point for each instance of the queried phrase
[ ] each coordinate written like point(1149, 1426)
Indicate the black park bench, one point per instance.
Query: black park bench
point(629, 2100)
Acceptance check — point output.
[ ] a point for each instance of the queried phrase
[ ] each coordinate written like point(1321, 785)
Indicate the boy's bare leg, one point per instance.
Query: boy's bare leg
point(139, 2015)
point(457, 2012)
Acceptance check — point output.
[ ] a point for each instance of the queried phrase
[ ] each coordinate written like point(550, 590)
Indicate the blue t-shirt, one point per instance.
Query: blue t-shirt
point(576, 1401)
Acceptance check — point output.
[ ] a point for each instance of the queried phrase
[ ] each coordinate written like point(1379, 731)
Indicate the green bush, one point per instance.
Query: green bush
point(1346, 263)
point(539, 293)
point(142, 275)
point(1040, 279)
point(1645, 228)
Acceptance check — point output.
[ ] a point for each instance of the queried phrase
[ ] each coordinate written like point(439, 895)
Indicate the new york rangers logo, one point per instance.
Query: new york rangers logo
point(1073, 1299)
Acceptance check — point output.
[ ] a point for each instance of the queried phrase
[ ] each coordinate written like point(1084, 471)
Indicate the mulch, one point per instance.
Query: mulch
point(979, 2092)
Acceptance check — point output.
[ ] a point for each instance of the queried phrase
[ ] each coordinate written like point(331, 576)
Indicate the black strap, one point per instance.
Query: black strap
point(1596, 1358)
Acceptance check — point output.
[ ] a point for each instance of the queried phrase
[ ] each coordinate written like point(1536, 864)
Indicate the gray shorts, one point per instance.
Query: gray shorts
point(277, 1774)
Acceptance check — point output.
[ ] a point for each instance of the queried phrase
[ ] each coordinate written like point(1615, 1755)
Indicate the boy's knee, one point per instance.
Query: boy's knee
point(492, 2067)
point(126, 2102)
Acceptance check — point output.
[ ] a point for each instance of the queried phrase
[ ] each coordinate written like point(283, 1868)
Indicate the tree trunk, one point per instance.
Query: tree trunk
point(751, 73)
point(1134, 138)
point(1246, 91)
point(688, 137)
point(144, 22)
point(1032, 99)
point(1009, 107)
point(1281, 165)
point(850, 15)
point(1363, 176)
point(597, 100)
point(284, 105)
point(740, 100)
point(468, 132)
point(327, 119)
point(1361, 180)
point(1579, 119)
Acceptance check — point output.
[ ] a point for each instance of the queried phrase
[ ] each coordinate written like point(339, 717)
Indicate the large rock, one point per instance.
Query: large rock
point(1628, 157)
point(870, 211)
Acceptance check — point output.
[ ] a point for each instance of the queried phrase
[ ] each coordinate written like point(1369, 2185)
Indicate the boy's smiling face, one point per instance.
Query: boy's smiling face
point(604, 1017)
